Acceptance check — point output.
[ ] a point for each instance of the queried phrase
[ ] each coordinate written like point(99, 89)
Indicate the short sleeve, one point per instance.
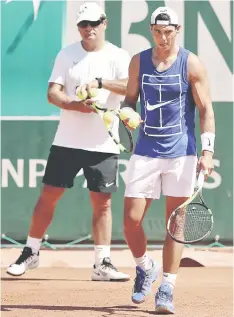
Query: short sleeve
point(60, 69)
point(122, 64)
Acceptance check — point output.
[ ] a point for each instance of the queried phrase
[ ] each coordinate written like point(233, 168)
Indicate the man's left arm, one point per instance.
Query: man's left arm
point(201, 94)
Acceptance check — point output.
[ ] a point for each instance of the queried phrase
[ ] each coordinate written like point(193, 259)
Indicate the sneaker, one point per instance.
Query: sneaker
point(143, 283)
point(27, 260)
point(164, 300)
point(107, 272)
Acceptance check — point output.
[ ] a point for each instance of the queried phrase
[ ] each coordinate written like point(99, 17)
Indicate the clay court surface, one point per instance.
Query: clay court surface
point(200, 292)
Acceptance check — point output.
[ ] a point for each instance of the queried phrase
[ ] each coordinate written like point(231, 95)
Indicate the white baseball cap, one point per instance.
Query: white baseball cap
point(172, 16)
point(90, 11)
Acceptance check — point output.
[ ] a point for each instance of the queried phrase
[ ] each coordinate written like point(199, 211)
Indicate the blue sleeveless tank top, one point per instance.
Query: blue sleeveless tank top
point(167, 108)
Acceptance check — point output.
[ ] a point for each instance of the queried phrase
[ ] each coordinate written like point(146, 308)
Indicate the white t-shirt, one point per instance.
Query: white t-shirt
point(74, 67)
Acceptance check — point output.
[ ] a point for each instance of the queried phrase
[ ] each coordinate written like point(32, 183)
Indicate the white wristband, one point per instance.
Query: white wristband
point(207, 141)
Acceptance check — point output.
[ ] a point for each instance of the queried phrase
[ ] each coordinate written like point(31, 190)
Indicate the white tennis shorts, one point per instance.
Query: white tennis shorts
point(148, 177)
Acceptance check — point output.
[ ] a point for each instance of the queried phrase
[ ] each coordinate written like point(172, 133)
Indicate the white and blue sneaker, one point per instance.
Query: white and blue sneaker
point(143, 283)
point(164, 300)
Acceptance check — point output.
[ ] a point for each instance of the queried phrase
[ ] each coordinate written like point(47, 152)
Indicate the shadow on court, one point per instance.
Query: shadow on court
point(109, 310)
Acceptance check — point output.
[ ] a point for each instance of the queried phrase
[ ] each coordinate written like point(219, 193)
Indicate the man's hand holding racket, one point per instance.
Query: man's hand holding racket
point(206, 163)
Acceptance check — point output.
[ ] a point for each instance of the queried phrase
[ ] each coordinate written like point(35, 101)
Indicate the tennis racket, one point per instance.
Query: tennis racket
point(117, 130)
point(192, 221)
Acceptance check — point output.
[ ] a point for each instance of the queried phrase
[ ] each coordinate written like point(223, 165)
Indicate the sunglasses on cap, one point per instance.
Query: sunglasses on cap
point(84, 24)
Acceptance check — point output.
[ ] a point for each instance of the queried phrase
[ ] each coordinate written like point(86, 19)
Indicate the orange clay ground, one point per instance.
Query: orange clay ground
point(55, 292)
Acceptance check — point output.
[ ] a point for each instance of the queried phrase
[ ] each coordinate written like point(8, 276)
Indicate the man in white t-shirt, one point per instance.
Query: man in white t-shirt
point(81, 140)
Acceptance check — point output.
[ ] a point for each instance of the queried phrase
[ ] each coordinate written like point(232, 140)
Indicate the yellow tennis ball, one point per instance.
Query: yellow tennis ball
point(108, 117)
point(82, 94)
point(126, 113)
point(134, 121)
point(93, 93)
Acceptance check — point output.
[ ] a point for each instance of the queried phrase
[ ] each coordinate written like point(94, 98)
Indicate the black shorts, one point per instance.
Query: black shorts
point(100, 169)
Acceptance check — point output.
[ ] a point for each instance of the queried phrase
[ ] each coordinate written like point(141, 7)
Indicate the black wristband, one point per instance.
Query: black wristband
point(99, 79)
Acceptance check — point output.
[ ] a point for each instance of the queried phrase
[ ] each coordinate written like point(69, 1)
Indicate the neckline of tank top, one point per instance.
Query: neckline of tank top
point(166, 70)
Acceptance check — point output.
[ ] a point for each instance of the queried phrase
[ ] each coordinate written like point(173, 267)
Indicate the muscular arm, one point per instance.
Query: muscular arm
point(133, 88)
point(201, 94)
point(118, 86)
point(59, 98)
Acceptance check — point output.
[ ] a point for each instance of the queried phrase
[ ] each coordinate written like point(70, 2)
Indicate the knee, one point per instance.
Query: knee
point(50, 196)
point(102, 209)
point(101, 204)
point(131, 222)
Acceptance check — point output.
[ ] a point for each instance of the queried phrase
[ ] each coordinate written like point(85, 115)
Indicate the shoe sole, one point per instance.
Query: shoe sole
point(15, 274)
point(163, 310)
point(111, 280)
point(137, 302)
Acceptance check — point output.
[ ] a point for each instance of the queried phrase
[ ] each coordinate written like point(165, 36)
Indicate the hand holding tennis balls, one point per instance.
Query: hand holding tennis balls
point(134, 121)
point(92, 92)
point(125, 113)
point(130, 117)
point(84, 92)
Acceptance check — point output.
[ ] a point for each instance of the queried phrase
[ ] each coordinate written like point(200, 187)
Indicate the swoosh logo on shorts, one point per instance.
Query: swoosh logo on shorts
point(109, 184)
point(158, 105)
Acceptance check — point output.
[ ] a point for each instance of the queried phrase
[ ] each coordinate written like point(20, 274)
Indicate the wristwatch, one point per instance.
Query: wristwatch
point(99, 79)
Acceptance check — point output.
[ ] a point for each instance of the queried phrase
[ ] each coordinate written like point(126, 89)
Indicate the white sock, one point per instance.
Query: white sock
point(34, 244)
point(101, 252)
point(169, 279)
point(144, 262)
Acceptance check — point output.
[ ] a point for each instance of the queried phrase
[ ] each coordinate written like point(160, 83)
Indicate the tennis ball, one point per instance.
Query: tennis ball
point(134, 121)
point(93, 93)
point(126, 113)
point(82, 94)
point(108, 117)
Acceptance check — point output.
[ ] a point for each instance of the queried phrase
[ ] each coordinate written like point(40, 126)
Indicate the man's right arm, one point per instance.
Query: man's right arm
point(56, 94)
point(133, 87)
point(59, 98)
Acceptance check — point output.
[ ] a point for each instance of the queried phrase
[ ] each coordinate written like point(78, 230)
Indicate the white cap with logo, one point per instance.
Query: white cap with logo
point(90, 11)
point(172, 16)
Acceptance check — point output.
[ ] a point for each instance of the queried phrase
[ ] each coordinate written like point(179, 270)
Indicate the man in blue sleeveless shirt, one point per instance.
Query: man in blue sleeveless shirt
point(171, 82)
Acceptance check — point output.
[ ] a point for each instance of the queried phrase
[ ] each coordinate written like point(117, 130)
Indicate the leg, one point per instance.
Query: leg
point(172, 251)
point(178, 185)
point(143, 185)
point(101, 174)
point(102, 220)
point(44, 210)
point(134, 213)
point(57, 177)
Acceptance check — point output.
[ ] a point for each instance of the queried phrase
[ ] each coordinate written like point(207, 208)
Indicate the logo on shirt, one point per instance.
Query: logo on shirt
point(158, 105)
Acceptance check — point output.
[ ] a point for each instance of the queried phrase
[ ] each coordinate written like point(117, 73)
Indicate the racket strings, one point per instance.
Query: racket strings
point(191, 223)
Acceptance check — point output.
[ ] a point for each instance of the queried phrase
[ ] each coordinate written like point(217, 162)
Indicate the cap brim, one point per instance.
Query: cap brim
point(88, 17)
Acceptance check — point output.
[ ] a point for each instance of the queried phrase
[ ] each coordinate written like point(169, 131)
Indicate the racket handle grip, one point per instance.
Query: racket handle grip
point(201, 178)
